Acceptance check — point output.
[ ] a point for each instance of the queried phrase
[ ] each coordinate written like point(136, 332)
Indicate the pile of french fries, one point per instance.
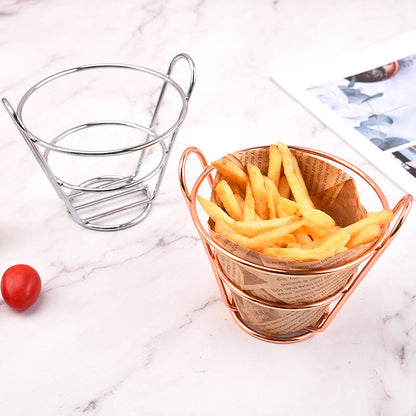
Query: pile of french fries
point(274, 214)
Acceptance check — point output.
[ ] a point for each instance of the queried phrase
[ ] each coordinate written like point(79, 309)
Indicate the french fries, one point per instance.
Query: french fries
point(296, 253)
point(257, 213)
point(249, 206)
point(272, 196)
point(228, 199)
point(369, 233)
point(259, 190)
point(275, 162)
point(314, 216)
point(284, 188)
point(214, 211)
point(378, 218)
point(231, 172)
point(294, 176)
point(262, 241)
point(253, 228)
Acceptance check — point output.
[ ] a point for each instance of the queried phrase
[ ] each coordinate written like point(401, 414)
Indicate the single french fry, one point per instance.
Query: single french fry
point(284, 188)
point(382, 217)
point(273, 199)
point(240, 201)
point(229, 201)
point(368, 234)
point(333, 245)
point(290, 207)
point(299, 254)
point(294, 176)
point(253, 228)
point(231, 172)
point(319, 241)
point(249, 208)
point(275, 162)
point(214, 211)
point(336, 241)
point(286, 241)
point(221, 227)
point(235, 188)
point(268, 239)
point(259, 190)
point(341, 250)
point(260, 242)
point(312, 215)
point(268, 184)
point(239, 196)
point(317, 217)
point(301, 238)
point(318, 232)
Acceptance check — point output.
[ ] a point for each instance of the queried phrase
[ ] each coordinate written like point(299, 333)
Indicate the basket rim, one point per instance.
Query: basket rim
point(156, 139)
point(295, 272)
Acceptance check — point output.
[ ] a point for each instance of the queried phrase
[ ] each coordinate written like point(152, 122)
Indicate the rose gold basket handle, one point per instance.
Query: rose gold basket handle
point(401, 211)
point(182, 170)
point(187, 195)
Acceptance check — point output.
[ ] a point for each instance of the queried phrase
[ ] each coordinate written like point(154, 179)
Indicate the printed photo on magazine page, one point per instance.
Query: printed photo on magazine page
point(380, 104)
point(369, 99)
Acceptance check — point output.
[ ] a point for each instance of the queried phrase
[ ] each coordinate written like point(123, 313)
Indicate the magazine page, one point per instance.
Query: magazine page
point(369, 99)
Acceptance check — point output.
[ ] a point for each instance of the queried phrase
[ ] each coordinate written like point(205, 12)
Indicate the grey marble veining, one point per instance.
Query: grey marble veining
point(132, 322)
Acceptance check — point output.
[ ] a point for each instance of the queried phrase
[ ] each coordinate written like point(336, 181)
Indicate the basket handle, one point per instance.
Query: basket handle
point(192, 70)
point(187, 195)
point(400, 211)
point(156, 114)
point(182, 170)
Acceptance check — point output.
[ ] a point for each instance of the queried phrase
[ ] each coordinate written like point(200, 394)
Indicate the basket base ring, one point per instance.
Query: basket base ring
point(276, 339)
point(92, 209)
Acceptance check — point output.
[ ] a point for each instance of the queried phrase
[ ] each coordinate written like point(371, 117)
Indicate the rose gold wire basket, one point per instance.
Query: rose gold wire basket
point(320, 312)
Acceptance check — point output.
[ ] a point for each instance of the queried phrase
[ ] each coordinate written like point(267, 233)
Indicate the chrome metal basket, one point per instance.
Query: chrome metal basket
point(106, 200)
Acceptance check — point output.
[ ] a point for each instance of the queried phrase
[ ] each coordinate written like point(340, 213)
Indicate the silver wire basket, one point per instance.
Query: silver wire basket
point(112, 172)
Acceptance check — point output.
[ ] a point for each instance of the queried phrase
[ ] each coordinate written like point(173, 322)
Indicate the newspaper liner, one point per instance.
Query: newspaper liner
point(331, 190)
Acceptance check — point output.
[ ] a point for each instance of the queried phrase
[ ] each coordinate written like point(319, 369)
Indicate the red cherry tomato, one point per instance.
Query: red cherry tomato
point(20, 286)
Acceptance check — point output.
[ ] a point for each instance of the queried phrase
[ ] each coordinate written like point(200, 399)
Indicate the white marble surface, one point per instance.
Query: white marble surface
point(131, 323)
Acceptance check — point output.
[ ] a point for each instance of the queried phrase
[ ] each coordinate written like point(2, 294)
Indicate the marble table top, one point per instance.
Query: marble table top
point(132, 322)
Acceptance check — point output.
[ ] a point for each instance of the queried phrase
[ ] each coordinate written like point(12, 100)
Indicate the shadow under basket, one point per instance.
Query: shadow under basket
point(284, 318)
point(107, 170)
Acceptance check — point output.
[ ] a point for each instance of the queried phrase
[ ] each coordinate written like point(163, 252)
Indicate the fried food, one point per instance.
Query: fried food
point(256, 212)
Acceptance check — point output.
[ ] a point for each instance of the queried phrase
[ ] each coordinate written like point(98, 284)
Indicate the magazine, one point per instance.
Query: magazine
point(369, 99)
